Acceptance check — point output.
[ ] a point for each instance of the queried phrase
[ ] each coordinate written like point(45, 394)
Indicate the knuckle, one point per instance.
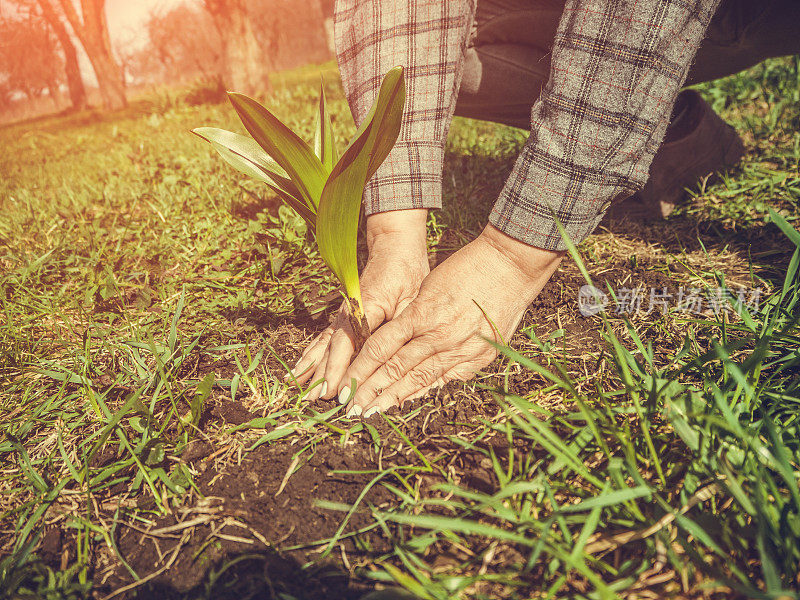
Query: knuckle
point(374, 349)
point(433, 342)
point(424, 375)
point(378, 346)
point(450, 313)
point(417, 378)
point(394, 368)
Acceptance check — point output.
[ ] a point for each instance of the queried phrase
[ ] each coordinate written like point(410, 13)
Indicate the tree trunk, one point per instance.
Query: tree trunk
point(109, 78)
point(54, 92)
point(77, 91)
point(245, 71)
point(92, 31)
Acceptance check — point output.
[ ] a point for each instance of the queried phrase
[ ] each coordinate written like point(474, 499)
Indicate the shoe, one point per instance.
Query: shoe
point(698, 143)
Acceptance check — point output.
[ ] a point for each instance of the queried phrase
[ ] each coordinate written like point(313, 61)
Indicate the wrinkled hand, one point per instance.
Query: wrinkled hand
point(479, 293)
point(397, 265)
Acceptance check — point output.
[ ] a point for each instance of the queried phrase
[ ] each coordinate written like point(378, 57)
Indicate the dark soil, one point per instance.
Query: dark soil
point(250, 493)
point(242, 506)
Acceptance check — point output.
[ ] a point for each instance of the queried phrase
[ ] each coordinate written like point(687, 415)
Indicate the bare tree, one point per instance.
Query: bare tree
point(29, 60)
point(92, 31)
point(184, 45)
point(244, 68)
point(47, 18)
point(290, 37)
point(77, 90)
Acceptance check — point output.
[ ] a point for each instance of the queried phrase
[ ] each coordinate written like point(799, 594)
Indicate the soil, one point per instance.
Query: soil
point(265, 510)
point(252, 497)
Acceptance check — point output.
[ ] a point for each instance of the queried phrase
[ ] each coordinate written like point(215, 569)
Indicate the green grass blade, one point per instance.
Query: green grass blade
point(464, 526)
point(172, 339)
point(605, 499)
point(201, 395)
point(282, 144)
point(407, 582)
point(36, 480)
point(698, 533)
point(589, 527)
point(784, 226)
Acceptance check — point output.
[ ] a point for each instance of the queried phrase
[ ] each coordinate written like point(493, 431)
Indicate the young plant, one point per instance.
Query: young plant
point(320, 186)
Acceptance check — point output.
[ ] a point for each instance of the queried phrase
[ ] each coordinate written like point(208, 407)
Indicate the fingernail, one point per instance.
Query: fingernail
point(323, 389)
point(344, 395)
point(371, 412)
point(288, 376)
point(354, 412)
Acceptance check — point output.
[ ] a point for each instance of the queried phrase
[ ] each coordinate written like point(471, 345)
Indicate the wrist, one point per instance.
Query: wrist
point(398, 230)
point(533, 264)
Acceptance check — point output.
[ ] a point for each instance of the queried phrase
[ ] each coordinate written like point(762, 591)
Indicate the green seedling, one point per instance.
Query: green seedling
point(322, 187)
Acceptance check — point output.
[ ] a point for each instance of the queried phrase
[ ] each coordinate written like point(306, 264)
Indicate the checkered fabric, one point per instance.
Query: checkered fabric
point(616, 69)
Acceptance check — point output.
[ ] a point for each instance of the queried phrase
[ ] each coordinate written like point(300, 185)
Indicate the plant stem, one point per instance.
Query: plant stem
point(358, 322)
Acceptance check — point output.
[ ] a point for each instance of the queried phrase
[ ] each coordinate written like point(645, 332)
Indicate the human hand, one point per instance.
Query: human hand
point(481, 292)
point(397, 265)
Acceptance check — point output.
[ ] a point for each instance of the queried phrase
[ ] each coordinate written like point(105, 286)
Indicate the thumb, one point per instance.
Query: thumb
point(375, 314)
point(402, 305)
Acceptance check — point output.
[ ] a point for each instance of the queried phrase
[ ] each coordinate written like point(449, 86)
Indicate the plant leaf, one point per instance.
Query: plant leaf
point(324, 146)
point(299, 207)
point(246, 149)
point(245, 155)
point(386, 115)
point(340, 202)
point(282, 144)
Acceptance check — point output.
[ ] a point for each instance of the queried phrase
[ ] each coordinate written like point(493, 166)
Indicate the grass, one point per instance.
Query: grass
point(615, 483)
point(147, 290)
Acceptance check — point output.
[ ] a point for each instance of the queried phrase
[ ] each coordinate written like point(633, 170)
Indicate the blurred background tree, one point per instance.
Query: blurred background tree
point(184, 43)
point(40, 36)
point(36, 40)
point(72, 70)
point(292, 37)
point(230, 44)
point(29, 60)
point(192, 40)
point(243, 67)
point(91, 28)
